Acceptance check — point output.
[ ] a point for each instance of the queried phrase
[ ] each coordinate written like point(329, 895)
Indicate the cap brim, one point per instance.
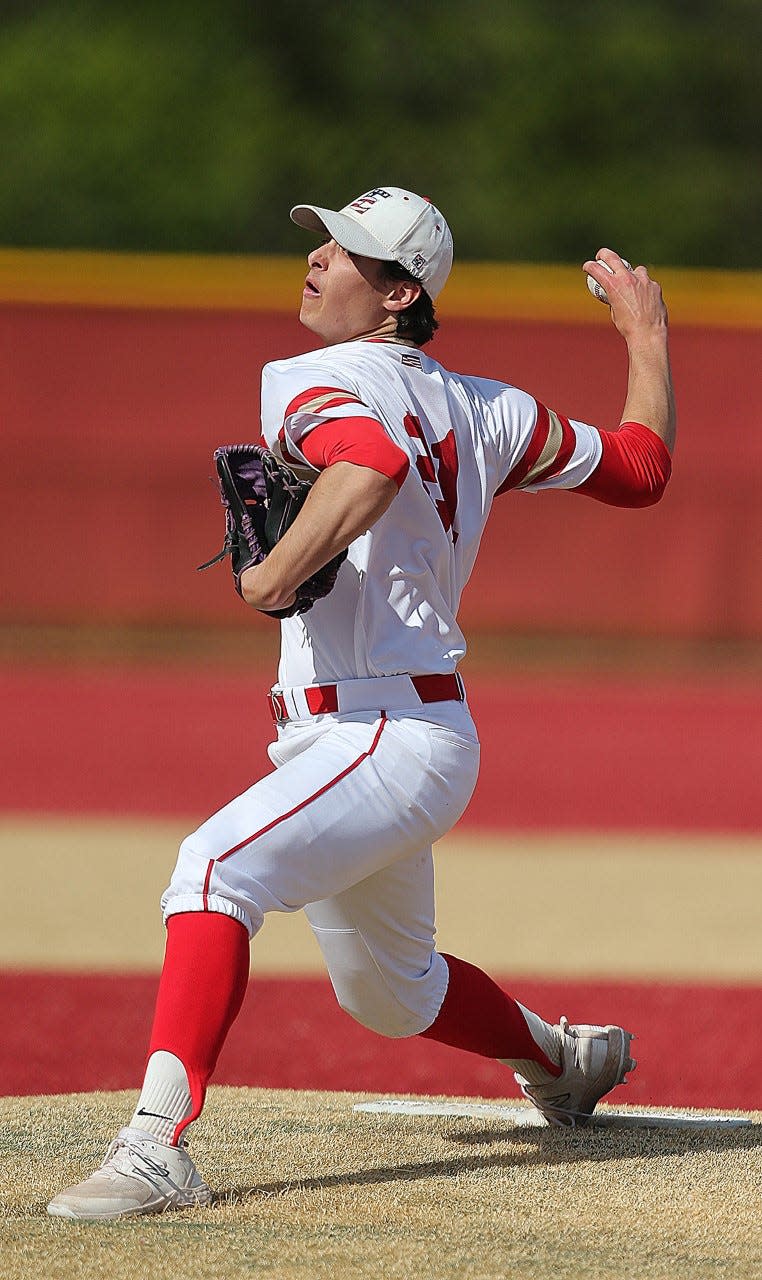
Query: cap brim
point(345, 231)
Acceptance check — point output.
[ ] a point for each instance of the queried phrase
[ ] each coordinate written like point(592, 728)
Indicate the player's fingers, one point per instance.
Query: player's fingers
point(606, 267)
point(596, 267)
point(612, 260)
point(598, 271)
point(652, 286)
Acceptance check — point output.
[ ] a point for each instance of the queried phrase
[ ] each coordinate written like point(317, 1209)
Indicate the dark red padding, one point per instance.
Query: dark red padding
point(634, 468)
point(479, 1016)
point(202, 986)
point(359, 440)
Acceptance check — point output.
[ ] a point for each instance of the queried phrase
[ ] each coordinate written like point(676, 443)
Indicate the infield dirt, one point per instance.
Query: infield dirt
point(103, 879)
point(309, 1188)
point(675, 946)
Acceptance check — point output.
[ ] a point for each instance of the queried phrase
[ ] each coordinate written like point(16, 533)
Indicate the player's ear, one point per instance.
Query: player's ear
point(401, 294)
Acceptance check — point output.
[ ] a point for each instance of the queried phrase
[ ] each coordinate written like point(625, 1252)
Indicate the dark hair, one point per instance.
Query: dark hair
point(417, 322)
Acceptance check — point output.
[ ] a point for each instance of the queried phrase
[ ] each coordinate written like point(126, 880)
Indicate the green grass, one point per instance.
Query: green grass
point(307, 1188)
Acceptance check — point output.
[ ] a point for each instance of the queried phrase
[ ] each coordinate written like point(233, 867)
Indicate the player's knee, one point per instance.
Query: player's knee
point(377, 1009)
point(390, 1003)
point(388, 994)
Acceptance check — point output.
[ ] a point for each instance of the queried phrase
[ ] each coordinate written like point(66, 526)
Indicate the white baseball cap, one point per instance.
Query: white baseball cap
point(392, 225)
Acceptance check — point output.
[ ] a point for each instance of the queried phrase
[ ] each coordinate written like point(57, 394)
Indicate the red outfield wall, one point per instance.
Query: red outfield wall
point(561, 755)
point(110, 416)
point(292, 1035)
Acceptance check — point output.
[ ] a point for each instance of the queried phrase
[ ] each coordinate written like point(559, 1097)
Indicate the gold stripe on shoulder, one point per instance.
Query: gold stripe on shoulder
point(549, 450)
point(329, 397)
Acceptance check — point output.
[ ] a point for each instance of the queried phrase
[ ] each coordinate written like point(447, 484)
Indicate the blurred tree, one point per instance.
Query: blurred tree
point(542, 129)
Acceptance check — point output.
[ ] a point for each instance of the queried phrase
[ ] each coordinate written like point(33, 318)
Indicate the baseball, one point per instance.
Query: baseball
point(597, 289)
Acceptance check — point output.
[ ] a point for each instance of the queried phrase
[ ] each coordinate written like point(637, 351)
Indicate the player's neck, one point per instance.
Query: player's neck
point(386, 332)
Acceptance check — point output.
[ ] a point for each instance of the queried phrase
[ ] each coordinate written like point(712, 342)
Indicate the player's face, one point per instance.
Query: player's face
point(344, 295)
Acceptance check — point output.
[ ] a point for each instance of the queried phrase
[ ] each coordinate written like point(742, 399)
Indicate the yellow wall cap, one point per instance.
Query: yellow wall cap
point(504, 291)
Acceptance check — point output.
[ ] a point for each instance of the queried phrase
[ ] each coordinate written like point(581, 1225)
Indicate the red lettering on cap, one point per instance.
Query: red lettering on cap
point(363, 203)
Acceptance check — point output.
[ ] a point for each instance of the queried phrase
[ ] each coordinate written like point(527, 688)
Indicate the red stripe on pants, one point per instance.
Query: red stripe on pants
point(297, 809)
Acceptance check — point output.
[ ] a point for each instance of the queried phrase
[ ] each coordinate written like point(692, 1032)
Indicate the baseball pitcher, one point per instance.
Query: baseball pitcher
point(391, 465)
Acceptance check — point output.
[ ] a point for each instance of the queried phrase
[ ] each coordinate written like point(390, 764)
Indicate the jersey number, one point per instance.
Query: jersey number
point(438, 468)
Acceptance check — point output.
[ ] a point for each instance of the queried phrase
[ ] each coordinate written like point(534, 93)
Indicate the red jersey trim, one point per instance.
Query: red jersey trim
point(318, 399)
point(362, 441)
point(296, 809)
point(537, 442)
point(564, 455)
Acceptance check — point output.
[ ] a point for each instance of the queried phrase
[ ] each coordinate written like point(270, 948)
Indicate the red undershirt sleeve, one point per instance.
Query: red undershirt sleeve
point(633, 470)
point(359, 440)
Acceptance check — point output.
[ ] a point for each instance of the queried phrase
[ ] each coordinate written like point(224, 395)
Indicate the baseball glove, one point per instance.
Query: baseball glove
point(262, 498)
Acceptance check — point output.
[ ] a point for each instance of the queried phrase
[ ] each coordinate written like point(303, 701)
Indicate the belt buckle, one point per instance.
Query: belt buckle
point(278, 707)
point(461, 686)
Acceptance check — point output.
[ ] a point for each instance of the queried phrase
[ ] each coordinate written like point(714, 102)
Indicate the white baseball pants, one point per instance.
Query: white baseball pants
point(343, 828)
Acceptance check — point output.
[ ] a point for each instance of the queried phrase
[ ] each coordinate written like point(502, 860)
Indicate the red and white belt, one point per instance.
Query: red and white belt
point(380, 693)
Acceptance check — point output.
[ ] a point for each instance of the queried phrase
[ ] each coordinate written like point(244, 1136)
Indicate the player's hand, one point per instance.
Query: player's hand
point(260, 593)
point(637, 306)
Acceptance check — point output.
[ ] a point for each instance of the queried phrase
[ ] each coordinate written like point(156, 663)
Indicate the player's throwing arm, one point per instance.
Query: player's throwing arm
point(639, 313)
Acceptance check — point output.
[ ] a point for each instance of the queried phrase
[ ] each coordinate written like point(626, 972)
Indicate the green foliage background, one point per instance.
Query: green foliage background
point(542, 129)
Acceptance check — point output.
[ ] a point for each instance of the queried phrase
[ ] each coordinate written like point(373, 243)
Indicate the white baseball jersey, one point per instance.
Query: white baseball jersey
point(395, 603)
point(345, 823)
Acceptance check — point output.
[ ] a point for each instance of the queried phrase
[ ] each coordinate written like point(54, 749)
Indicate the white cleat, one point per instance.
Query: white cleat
point(138, 1175)
point(593, 1061)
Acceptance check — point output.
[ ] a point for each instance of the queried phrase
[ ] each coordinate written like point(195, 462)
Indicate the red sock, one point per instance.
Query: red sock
point(203, 983)
point(478, 1016)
